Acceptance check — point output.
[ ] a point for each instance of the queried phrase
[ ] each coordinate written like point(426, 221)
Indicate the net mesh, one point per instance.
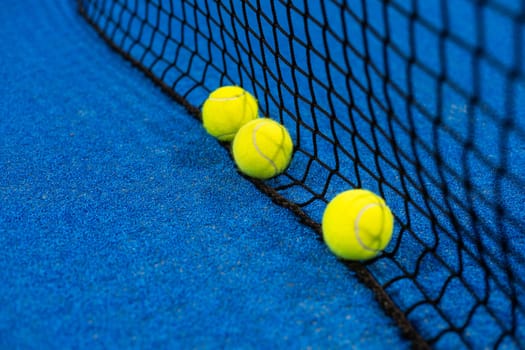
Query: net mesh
point(421, 101)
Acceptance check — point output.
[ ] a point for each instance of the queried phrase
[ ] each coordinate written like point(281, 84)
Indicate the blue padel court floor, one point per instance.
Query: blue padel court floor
point(123, 224)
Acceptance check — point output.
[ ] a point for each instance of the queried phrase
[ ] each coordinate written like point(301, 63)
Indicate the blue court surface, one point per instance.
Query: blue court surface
point(124, 225)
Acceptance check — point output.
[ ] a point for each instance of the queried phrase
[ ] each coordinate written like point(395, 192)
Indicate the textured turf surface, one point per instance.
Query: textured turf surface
point(448, 159)
point(122, 224)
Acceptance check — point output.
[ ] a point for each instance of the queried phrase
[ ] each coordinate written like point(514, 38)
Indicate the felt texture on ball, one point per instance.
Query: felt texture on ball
point(227, 109)
point(357, 225)
point(262, 148)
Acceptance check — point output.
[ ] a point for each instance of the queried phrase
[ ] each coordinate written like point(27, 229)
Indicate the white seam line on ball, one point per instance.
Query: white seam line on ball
point(356, 226)
point(231, 98)
point(254, 140)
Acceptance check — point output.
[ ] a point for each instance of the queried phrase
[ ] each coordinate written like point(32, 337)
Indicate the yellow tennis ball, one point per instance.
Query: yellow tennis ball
point(357, 225)
point(262, 148)
point(226, 110)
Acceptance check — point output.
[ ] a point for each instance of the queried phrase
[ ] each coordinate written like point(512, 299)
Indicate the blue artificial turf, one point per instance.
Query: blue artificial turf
point(428, 105)
point(123, 225)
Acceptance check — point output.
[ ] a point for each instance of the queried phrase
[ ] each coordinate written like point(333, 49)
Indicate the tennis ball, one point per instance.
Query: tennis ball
point(357, 225)
point(262, 148)
point(226, 110)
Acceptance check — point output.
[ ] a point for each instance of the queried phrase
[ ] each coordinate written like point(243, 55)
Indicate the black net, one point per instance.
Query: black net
point(421, 101)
